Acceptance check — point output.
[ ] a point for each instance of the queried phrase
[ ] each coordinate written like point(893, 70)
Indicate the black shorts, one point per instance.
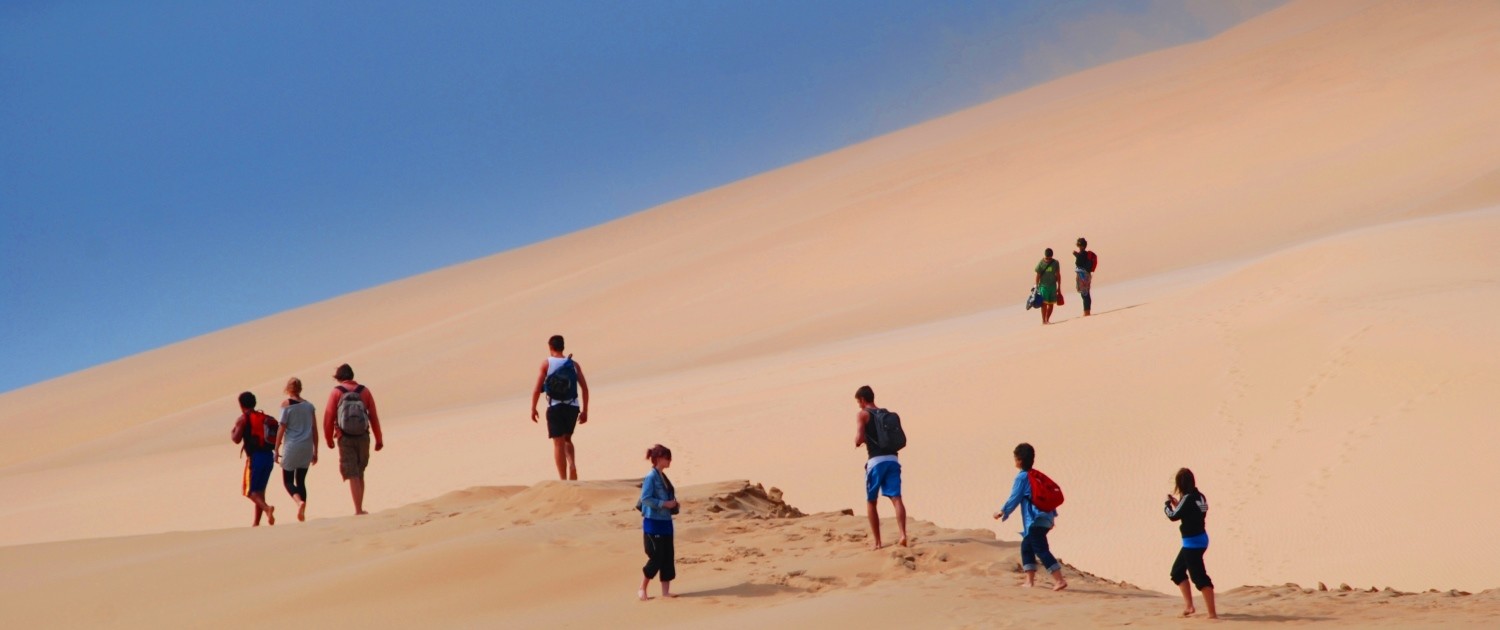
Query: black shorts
point(561, 419)
point(1190, 563)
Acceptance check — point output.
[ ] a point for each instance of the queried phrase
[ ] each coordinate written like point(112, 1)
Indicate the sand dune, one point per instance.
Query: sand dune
point(1294, 221)
point(529, 557)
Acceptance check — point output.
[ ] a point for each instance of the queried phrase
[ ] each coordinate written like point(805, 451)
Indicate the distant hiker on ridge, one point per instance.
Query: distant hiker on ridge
point(257, 432)
point(297, 444)
point(879, 431)
point(349, 419)
point(1084, 264)
point(1048, 277)
point(562, 379)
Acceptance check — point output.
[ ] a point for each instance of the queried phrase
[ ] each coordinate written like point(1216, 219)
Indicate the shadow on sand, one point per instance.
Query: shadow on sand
point(1099, 314)
point(1264, 618)
point(744, 590)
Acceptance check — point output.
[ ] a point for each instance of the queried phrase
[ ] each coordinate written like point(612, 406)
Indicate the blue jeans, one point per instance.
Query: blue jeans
point(1085, 283)
point(1034, 547)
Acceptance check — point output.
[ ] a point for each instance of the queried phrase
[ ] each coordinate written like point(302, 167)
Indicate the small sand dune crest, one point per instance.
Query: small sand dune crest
point(561, 554)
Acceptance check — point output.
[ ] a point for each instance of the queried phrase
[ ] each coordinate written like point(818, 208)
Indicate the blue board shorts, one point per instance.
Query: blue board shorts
point(258, 471)
point(883, 478)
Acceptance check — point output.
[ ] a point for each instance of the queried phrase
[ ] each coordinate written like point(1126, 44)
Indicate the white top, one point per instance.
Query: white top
point(299, 424)
point(553, 363)
point(878, 459)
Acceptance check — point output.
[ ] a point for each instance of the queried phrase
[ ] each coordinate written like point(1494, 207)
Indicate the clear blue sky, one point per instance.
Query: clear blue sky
point(168, 169)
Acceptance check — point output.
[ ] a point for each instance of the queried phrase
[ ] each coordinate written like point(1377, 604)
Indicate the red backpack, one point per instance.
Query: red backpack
point(1093, 262)
point(1045, 493)
point(260, 432)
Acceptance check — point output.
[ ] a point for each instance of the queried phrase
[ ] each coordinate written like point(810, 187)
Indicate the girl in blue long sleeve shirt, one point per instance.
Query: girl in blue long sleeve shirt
point(1036, 524)
point(658, 504)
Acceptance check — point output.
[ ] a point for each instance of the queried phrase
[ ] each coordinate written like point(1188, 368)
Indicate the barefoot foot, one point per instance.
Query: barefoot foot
point(902, 542)
point(1060, 586)
point(302, 511)
point(642, 595)
point(1188, 612)
point(270, 515)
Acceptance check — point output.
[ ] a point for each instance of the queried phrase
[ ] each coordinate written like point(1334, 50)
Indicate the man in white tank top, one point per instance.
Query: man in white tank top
point(563, 410)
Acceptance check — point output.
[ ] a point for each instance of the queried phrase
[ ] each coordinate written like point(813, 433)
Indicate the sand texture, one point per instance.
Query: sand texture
point(1296, 298)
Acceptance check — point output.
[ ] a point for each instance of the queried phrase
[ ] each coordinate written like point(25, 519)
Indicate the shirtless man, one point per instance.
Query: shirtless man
point(882, 469)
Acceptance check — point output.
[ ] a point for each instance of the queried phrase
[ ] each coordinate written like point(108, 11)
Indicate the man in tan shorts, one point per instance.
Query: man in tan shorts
point(350, 419)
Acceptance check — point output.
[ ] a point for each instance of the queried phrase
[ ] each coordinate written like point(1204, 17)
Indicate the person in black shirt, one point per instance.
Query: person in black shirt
point(1084, 263)
point(1189, 506)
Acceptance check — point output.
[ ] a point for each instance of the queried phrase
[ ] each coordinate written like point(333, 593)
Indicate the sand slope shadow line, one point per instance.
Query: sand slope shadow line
point(745, 589)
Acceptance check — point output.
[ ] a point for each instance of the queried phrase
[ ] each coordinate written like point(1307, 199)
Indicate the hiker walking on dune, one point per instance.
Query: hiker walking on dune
point(879, 431)
point(297, 444)
point(350, 419)
point(658, 503)
point(1038, 514)
point(256, 432)
point(1048, 275)
point(562, 379)
point(1188, 505)
point(1084, 264)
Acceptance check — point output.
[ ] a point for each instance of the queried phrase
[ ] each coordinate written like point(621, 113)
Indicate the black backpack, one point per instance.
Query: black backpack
point(563, 383)
point(888, 433)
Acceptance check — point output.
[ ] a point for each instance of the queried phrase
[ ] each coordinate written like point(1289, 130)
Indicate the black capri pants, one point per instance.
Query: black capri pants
point(660, 558)
point(295, 482)
point(1190, 562)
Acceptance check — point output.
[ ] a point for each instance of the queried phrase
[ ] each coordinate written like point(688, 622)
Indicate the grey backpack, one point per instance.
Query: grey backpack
point(354, 418)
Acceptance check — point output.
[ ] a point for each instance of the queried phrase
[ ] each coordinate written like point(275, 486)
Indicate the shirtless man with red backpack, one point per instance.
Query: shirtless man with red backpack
point(256, 432)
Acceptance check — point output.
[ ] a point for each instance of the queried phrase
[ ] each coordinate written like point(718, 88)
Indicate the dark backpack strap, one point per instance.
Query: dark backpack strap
point(342, 390)
point(360, 389)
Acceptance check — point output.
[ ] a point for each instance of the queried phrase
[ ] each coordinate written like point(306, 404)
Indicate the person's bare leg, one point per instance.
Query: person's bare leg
point(900, 519)
point(1030, 579)
point(357, 490)
point(1208, 602)
point(262, 506)
point(560, 456)
point(572, 460)
point(874, 513)
point(301, 508)
point(666, 589)
point(1058, 583)
point(258, 512)
point(1187, 598)
point(642, 593)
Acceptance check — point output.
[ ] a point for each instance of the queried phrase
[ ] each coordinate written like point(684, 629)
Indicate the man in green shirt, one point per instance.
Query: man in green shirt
point(1048, 272)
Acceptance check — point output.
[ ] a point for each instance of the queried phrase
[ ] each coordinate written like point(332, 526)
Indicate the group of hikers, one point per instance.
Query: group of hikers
point(1033, 493)
point(1046, 293)
point(350, 420)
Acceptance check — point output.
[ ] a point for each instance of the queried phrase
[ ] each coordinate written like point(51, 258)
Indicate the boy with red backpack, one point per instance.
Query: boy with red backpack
point(1085, 262)
point(257, 432)
point(1038, 497)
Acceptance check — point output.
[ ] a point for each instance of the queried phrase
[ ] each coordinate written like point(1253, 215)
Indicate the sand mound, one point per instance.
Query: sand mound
point(511, 556)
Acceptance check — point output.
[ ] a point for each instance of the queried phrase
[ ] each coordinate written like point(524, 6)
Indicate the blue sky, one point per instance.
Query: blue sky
point(168, 169)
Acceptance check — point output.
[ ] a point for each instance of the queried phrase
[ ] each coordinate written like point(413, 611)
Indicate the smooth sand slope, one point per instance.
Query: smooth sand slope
point(553, 555)
point(1295, 298)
